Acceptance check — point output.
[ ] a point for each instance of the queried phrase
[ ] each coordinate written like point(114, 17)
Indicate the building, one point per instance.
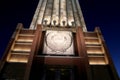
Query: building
point(57, 46)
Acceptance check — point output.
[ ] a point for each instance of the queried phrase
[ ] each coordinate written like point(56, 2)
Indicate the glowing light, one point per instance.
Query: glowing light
point(94, 49)
point(58, 42)
point(22, 49)
point(25, 40)
point(92, 41)
point(97, 61)
point(18, 58)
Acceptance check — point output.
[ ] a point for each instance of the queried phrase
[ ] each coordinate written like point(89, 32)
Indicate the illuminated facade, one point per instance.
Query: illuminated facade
point(57, 46)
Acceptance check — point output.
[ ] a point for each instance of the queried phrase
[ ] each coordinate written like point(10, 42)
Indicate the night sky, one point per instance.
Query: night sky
point(102, 13)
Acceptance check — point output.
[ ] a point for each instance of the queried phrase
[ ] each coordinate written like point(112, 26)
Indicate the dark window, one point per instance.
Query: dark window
point(58, 74)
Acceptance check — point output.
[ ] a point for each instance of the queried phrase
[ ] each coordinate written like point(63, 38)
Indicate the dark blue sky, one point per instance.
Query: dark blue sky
point(102, 13)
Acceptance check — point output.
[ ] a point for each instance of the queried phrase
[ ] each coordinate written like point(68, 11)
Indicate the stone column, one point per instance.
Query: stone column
point(70, 16)
point(48, 12)
point(41, 13)
point(55, 15)
point(83, 25)
point(75, 12)
point(63, 16)
point(35, 17)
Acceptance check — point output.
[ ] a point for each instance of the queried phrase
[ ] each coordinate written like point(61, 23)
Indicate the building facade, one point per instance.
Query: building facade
point(57, 46)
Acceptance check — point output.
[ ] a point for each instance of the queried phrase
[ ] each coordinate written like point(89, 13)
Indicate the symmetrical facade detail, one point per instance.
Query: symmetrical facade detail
point(57, 46)
point(60, 13)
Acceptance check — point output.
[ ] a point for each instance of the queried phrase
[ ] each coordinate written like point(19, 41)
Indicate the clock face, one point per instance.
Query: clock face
point(58, 42)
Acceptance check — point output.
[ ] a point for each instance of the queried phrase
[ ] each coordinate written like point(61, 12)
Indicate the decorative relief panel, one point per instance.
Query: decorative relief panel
point(58, 42)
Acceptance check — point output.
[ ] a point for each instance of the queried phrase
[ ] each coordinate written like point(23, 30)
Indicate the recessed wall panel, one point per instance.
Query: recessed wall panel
point(58, 42)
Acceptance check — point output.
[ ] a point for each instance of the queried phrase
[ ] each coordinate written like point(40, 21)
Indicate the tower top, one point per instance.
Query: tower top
point(60, 13)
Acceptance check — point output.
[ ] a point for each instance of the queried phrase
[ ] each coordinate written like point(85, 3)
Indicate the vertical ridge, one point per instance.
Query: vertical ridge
point(35, 17)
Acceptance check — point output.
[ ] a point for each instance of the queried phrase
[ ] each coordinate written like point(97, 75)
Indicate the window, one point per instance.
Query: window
point(58, 74)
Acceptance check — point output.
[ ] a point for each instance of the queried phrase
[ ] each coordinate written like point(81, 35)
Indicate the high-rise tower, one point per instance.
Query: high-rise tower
point(57, 46)
point(58, 13)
